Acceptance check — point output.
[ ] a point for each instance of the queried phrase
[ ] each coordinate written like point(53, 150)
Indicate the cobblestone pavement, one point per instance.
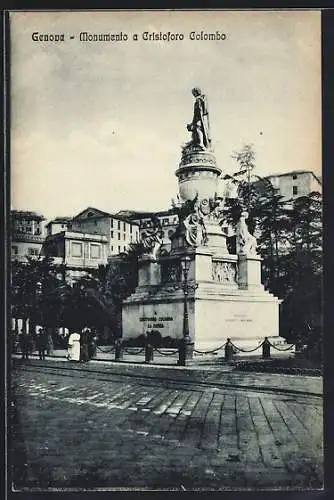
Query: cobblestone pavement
point(87, 429)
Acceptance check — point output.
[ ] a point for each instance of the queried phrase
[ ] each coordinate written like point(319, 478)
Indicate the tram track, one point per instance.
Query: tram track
point(167, 381)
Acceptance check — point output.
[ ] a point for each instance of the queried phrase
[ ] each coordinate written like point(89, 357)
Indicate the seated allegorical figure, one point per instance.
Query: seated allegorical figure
point(246, 242)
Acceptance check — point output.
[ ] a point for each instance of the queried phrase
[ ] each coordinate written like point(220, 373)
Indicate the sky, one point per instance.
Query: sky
point(101, 124)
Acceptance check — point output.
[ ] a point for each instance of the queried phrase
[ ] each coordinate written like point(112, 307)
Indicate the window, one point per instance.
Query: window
point(294, 190)
point(112, 248)
point(111, 234)
point(131, 229)
point(15, 249)
point(119, 236)
point(124, 236)
point(294, 176)
point(111, 223)
point(124, 226)
point(76, 249)
point(33, 251)
point(119, 225)
point(95, 251)
point(90, 214)
point(119, 249)
point(165, 222)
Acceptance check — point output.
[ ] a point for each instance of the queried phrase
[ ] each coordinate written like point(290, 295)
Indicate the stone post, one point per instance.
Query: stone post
point(266, 348)
point(228, 350)
point(118, 350)
point(186, 351)
point(148, 353)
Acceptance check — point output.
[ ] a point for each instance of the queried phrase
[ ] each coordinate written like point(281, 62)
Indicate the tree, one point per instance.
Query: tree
point(289, 237)
point(116, 281)
point(302, 307)
point(95, 299)
point(32, 282)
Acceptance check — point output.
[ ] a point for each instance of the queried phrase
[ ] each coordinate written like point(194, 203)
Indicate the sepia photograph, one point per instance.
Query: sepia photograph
point(165, 282)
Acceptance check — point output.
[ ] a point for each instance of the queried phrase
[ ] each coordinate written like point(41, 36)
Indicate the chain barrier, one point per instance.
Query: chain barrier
point(210, 352)
point(246, 350)
point(165, 353)
point(105, 352)
point(172, 353)
point(282, 350)
point(142, 349)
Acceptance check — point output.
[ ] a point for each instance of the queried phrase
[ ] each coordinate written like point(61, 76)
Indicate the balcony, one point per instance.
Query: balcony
point(26, 237)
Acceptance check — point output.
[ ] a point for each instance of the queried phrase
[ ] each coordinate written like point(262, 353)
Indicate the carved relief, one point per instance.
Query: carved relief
point(224, 272)
point(171, 272)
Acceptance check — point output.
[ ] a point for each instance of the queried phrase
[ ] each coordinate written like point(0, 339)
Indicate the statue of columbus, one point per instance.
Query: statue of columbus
point(200, 127)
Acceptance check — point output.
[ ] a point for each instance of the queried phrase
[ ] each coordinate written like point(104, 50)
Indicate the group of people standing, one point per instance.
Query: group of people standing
point(27, 344)
point(81, 346)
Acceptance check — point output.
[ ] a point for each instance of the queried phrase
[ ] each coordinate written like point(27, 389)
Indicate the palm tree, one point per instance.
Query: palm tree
point(31, 283)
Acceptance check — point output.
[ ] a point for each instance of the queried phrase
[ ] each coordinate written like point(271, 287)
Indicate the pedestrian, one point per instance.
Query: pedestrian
point(84, 345)
point(91, 345)
point(42, 342)
point(49, 345)
point(73, 348)
point(25, 343)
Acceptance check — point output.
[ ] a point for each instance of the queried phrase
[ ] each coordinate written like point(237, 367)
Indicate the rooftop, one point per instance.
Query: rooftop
point(100, 213)
point(74, 233)
point(136, 214)
point(26, 214)
point(292, 172)
point(59, 220)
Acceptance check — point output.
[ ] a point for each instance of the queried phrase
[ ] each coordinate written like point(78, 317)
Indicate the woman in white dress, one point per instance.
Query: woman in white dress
point(73, 348)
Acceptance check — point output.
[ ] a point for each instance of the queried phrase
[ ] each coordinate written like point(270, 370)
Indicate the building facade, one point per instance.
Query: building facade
point(292, 185)
point(57, 225)
point(119, 231)
point(76, 252)
point(27, 234)
point(168, 220)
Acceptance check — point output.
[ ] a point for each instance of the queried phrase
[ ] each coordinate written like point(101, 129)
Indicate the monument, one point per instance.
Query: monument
point(199, 291)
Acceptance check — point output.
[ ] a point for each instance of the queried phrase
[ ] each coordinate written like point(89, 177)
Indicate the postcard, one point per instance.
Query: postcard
point(166, 251)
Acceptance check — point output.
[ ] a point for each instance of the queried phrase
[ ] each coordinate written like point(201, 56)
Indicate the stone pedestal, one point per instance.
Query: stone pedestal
point(197, 173)
point(225, 296)
point(149, 271)
point(249, 272)
point(220, 303)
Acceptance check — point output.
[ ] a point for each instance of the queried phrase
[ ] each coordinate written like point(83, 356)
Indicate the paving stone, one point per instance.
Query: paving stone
point(80, 431)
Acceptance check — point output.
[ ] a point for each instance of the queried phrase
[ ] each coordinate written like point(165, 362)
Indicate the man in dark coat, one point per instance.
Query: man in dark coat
point(25, 343)
point(91, 344)
point(84, 345)
point(42, 342)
